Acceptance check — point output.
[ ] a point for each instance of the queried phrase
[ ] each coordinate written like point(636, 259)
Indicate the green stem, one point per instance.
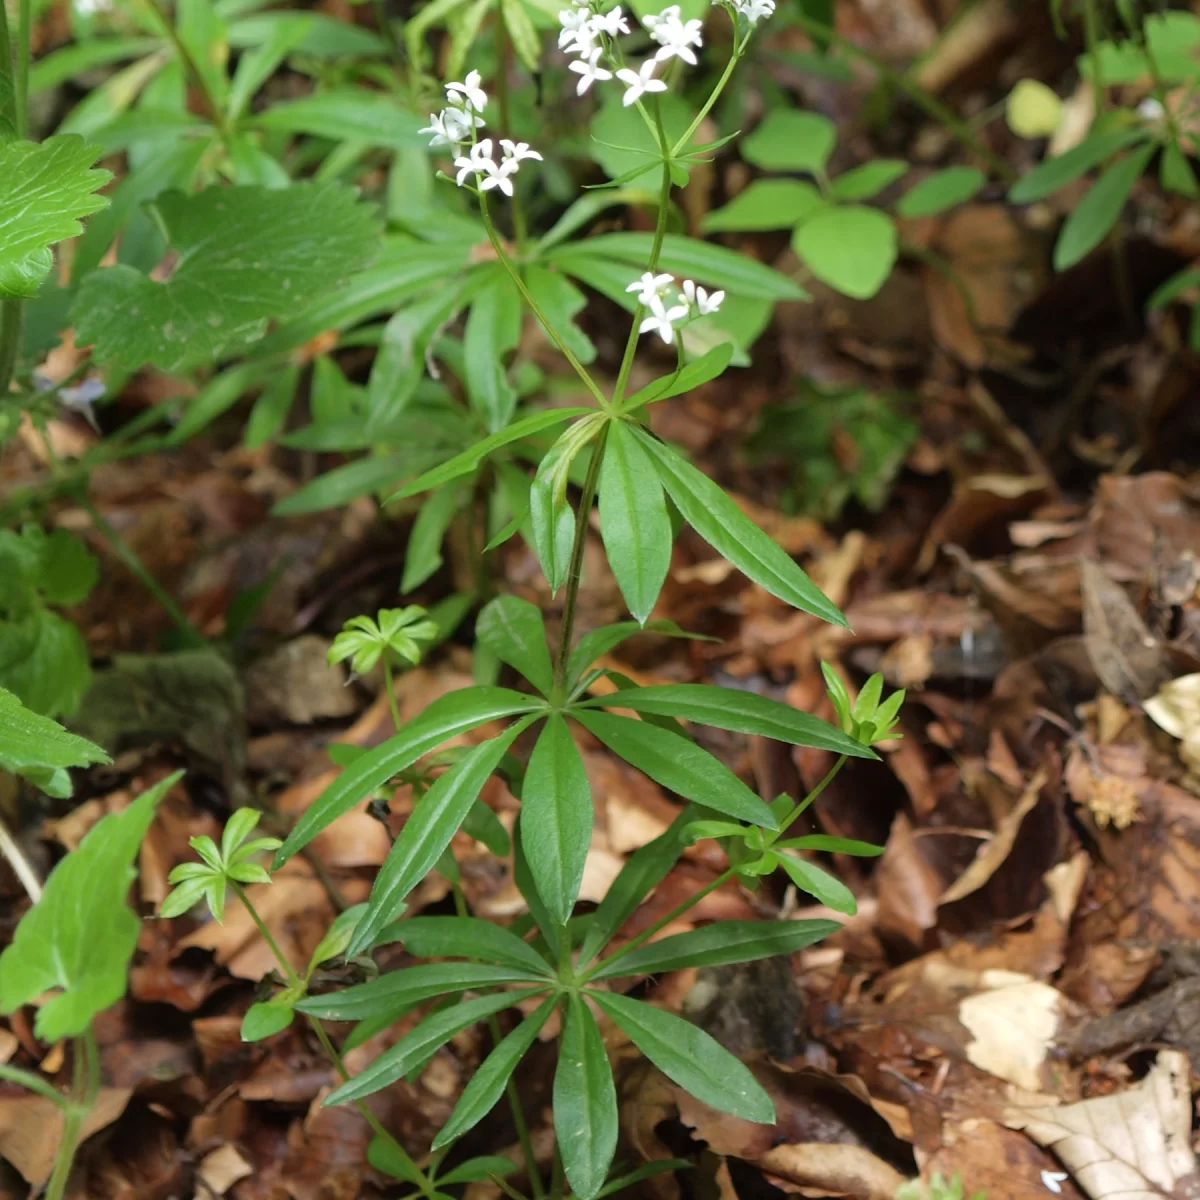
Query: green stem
point(575, 568)
point(417, 1176)
point(21, 88)
point(913, 90)
point(10, 341)
point(706, 107)
point(212, 108)
point(800, 808)
point(524, 1139)
point(127, 555)
point(390, 687)
point(511, 267)
point(661, 923)
point(520, 232)
point(33, 1083)
point(389, 33)
point(85, 1085)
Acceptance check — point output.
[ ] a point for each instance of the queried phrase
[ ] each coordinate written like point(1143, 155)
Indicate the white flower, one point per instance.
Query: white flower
point(515, 153)
point(499, 178)
point(573, 22)
point(662, 320)
point(589, 71)
point(1151, 109)
point(652, 20)
point(612, 22)
point(755, 10)
point(640, 82)
point(700, 300)
point(450, 126)
point(651, 288)
point(472, 94)
point(676, 37)
point(477, 162)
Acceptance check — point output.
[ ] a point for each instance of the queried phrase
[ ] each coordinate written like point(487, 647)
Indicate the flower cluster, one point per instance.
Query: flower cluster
point(589, 36)
point(456, 126)
point(688, 302)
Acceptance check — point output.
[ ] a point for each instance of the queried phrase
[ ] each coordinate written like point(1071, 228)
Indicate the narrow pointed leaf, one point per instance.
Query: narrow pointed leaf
point(447, 716)
point(1094, 216)
point(634, 522)
point(830, 844)
point(486, 1086)
point(732, 708)
point(434, 821)
point(515, 633)
point(678, 764)
point(585, 1102)
point(715, 517)
point(692, 375)
point(602, 641)
point(467, 937)
point(719, 943)
point(407, 987)
point(556, 818)
point(816, 881)
point(687, 1055)
point(417, 1046)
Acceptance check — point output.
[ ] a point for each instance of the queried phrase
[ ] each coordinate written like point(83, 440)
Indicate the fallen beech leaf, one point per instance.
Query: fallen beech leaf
point(1134, 1145)
point(845, 1170)
point(32, 1126)
point(221, 1169)
point(1013, 1024)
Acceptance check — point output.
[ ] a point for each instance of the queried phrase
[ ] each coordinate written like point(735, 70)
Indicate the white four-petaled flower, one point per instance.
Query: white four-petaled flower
point(662, 320)
point(589, 71)
point(612, 22)
point(675, 36)
point(651, 288)
point(451, 126)
point(755, 10)
point(515, 153)
point(637, 83)
point(699, 299)
point(472, 94)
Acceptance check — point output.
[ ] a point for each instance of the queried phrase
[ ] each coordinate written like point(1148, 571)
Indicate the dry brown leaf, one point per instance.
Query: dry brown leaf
point(32, 1126)
point(1135, 1144)
point(1176, 708)
point(221, 1169)
point(1128, 658)
point(845, 1170)
point(1013, 1024)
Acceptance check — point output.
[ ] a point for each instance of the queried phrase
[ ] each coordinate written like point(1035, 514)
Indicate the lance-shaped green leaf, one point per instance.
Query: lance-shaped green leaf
point(692, 375)
point(600, 642)
point(830, 844)
point(715, 517)
point(468, 460)
point(407, 987)
point(717, 944)
point(466, 937)
point(556, 818)
point(644, 869)
point(1095, 215)
point(486, 1086)
point(513, 630)
point(40, 749)
point(417, 1045)
point(45, 191)
point(448, 715)
point(732, 708)
point(434, 821)
point(634, 522)
point(816, 881)
point(244, 255)
point(678, 764)
point(77, 940)
point(686, 1054)
point(585, 1102)
point(1051, 174)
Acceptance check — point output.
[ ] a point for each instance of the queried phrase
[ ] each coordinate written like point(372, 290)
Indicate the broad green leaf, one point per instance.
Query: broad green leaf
point(789, 140)
point(717, 944)
point(765, 204)
point(863, 182)
point(407, 987)
point(486, 1086)
point(515, 633)
point(644, 869)
point(417, 1046)
point(684, 256)
point(1052, 173)
point(634, 522)
point(816, 881)
point(77, 940)
point(687, 1055)
point(245, 255)
point(493, 329)
point(44, 661)
point(523, 878)
point(719, 521)
point(585, 1102)
point(556, 818)
point(691, 375)
point(678, 764)
point(733, 708)
point(600, 642)
point(468, 460)
point(1093, 217)
point(68, 569)
point(428, 832)
point(852, 248)
point(940, 191)
point(45, 191)
point(447, 716)
point(345, 114)
point(468, 937)
point(423, 555)
point(40, 749)
point(267, 1018)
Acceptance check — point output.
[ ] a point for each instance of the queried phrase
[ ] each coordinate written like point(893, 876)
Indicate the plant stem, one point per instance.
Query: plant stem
point(706, 107)
point(522, 1126)
point(661, 923)
point(417, 1176)
point(923, 99)
point(10, 341)
point(21, 82)
point(511, 267)
point(211, 107)
point(502, 70)
point(390, 687)
point(33, 1083)
point(575, 568)
point(85, 1085)
point(12, 853)
point(829, 777)
point(127, 555)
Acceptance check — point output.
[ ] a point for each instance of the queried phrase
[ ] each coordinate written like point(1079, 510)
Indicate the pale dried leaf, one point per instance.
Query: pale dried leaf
point(1126, 656)
point(221, 1169)
point(1013, 1025)
point(32, 1126)
point(837, 1169)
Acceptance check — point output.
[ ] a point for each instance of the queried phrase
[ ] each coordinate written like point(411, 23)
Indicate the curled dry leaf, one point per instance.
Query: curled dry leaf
point(1135, 1145)
point(833, 1169)
point(1013, 1023)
